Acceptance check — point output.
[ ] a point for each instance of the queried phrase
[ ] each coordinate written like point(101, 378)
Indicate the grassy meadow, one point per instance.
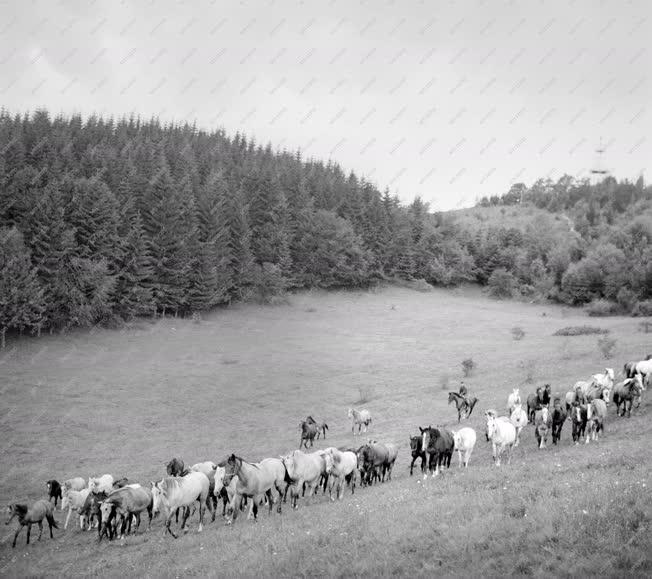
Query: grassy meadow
point(125, 402)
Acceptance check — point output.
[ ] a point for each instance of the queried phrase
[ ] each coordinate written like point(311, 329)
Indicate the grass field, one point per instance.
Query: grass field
point(125, 402)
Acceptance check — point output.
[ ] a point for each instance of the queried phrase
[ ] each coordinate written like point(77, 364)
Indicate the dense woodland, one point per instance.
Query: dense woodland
point(102, 221)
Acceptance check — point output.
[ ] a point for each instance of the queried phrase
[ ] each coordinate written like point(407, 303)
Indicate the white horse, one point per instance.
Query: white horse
point(604, 380)
point(361, 418)
point(464, 439)
point(343, 466)
point(513, 399)
point(305, 468)
point(502, 435)
point(542, 424)
point(518, 418)
point(175, 492)
point(74, 501)
point(102, 484)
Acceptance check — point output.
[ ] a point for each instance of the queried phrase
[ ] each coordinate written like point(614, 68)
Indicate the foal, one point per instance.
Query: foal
point(40, 510)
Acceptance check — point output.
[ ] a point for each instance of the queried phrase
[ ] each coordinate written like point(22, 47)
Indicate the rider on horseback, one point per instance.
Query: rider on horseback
point(464, 393)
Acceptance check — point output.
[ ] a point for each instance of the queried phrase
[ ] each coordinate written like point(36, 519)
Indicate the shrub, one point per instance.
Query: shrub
point(642, 308)
point(501, 284)
point(626, 299)
point(606, 345)
point(580, 331)
point(518, 333)
point(601, 307)
point(467, 366)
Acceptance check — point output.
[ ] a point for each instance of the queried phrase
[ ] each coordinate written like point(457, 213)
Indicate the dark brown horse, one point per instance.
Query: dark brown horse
point(416, 446)
point(309, 430)
point(464, 405)
point(538, 400)
point(176, 467)
point(558, 419)
point(624, 395)
point(439, 445)
point(322, 426)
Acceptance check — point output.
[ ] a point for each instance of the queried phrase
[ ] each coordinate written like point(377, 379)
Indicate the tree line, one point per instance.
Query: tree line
point(104, 220)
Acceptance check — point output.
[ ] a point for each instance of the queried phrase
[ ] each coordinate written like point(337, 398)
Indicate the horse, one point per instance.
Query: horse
point(374, 459)
point(254, 480)
point(464, 442)
point(102, 484)
point(125, 503)
point(558, 419)
point(359, 417)
point(595, 419)
point(91, 509)
point(344, 470)
point(120, 483)
point(416, 447)
point(309, 431)
point(40, 510)
point(464, 406)
point(518, 418)
point(74, 501)
point(624, 394)
point(322, 426)
point(208, 468)
point(75, 484)
point(439, 445)
point(542, 423)
point(54, 492)
point(598, 391)
point(305, 468)
point(538, 400)
point(176, 467)
point(579, 417)
point(173, 493)
point(502, 435)
point(512, 400)
point(629, 369)
point(605, 380)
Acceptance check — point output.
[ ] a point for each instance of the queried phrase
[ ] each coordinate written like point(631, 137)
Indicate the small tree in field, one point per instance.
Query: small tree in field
point(467, 366)
point(607, 345)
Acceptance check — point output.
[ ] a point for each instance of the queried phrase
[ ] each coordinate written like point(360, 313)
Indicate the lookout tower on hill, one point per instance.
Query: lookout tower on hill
point(598, 171)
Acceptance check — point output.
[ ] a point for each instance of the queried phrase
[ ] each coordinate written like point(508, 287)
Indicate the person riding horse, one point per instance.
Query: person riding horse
point(464, 393)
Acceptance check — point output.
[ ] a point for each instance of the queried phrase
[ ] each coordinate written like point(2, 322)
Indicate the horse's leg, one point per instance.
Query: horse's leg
point(65, 525)
point(202, 509)
point(29, 532)
point(184, 520)
point(40, 529)
point(168, 528)
point(270, 500)
point(18, 530)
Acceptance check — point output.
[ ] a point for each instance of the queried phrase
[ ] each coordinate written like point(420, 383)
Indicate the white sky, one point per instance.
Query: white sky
point(449, 100)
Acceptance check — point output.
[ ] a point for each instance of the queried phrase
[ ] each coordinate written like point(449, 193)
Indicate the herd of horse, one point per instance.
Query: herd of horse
point(114, 507)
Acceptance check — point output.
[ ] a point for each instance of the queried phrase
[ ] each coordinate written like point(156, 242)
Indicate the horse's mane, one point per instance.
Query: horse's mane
point(20, 509)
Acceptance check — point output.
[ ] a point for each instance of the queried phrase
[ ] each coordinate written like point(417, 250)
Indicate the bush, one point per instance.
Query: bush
point(518, 333)
point(501, 284)
point(601, 308)
point(642, 308)
point(580, 331)
point(467, 366)
point(606, 345)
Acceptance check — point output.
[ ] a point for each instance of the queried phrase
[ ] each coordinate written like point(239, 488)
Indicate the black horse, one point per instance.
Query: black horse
point(54, 491)
point(309, 431)
point(579, 417)
point(439, 444)
point(416, 445)
point(558, 418)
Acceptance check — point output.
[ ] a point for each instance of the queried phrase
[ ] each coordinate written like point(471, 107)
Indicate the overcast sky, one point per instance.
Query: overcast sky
point(446, 100)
